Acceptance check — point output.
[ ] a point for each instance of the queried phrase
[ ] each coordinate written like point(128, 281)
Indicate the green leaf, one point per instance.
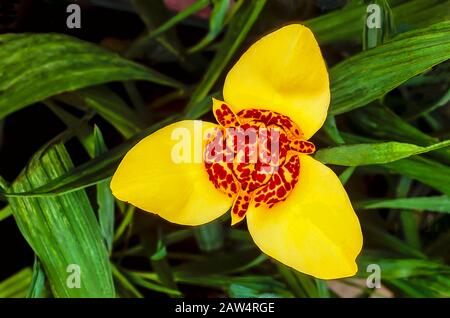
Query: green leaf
point(39, 286)
point(5, 212)
point(346, 174)
point(155, 250)
point(223, 263)
point(408, 221)
point(426, 171)
point(126, 221)
point(154, 13)
point(62, 230)
point(82, 130)
point(105, 199)
point(298, 284)
point(257, 282)
point(373, 36)
point(347, 24)
point(236, 34)
point(369, 154)
point(210, 237)
point(216, 24)
point(28, 76)
point(194, 8)
point(391, 242)
point(332, 131)
point(124, 283)
point(392, 268)
point(443, 101)
point(381, 122)
point(322, 288)
point(139, 281)
point(242, 291)
point(17, 285)
point(108, 105)
point(434, 204)
point(371, 74)
point(436, 286)
point(91, 172)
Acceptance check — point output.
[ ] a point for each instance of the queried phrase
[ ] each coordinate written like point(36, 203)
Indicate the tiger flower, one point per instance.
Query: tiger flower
point(296, 209)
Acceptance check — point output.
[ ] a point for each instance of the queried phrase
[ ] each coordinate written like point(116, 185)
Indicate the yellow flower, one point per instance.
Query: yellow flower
point(295, 207)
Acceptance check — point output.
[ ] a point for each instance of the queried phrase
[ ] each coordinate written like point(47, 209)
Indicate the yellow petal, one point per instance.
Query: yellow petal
point(283, 72)
point(315, 230)
point(152, 178)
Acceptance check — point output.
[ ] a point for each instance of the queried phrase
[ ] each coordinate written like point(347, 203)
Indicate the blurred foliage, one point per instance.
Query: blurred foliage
point(388, 126)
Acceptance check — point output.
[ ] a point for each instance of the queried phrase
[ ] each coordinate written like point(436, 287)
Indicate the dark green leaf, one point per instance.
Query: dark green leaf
point(236, 34)
point(216, 24)
point(371, 74)
point(28, 76)
point(105, 199)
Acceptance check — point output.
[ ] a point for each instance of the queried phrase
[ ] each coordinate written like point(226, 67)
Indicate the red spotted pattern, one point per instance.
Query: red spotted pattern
point(245, 165)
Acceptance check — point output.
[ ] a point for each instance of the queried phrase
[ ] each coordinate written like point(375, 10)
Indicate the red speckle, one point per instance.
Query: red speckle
point(257, 172)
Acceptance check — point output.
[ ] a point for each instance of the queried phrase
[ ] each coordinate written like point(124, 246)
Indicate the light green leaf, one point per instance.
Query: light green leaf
point(68, 222)
point(17, 285)
point(433, 204)
point(5, 212)
point(392, 268)
point(369, 154)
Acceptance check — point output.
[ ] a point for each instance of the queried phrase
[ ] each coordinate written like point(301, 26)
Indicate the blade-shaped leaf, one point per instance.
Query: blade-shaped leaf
point(5, 212)
point(216, 24)
point(433, 204)
point(17, 285)
point(369, 75)
point(347, 24)
point(105, 199)
point(108, 105)
point(39, 286)
point(76, 254)
point(369, 154)
point(380, 122)
point(28, 76)
point(235, 35)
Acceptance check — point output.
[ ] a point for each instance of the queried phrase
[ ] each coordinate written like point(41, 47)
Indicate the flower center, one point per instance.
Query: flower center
point(254, 155)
